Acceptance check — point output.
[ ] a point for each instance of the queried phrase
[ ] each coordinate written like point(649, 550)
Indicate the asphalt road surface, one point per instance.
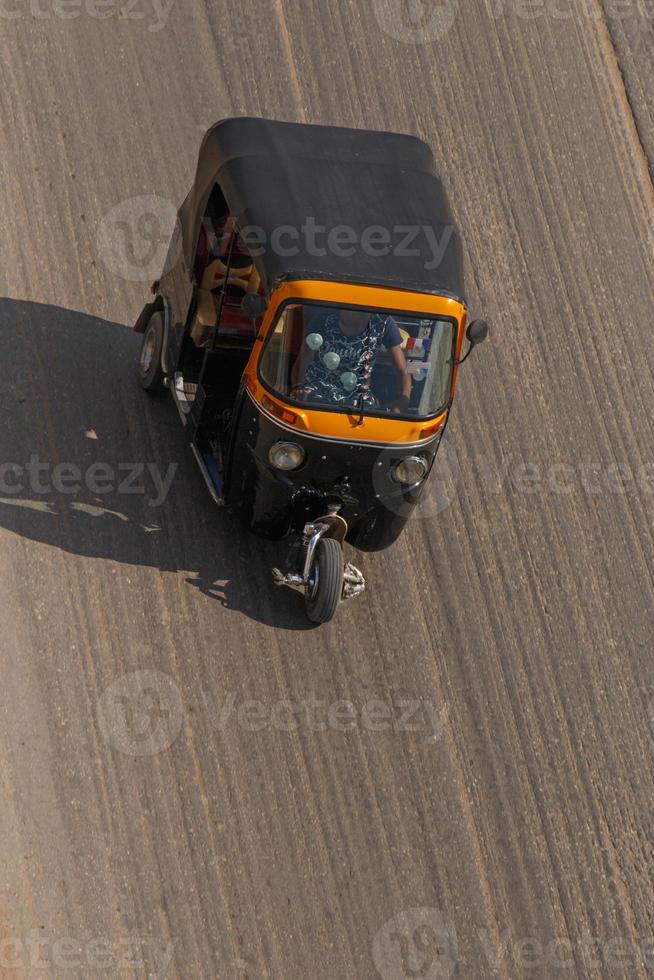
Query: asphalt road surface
point(454, 779)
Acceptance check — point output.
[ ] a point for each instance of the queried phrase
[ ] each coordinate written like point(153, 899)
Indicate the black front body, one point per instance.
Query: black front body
point(275, 504)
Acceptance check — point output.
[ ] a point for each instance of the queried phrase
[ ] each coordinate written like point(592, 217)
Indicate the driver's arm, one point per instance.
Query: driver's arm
point(400, 365)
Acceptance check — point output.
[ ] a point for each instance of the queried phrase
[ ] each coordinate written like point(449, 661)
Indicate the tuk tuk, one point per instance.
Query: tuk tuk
point(309, 325)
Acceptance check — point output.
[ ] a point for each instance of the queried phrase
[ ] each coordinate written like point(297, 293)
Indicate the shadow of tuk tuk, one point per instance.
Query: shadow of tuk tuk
point(88, 469)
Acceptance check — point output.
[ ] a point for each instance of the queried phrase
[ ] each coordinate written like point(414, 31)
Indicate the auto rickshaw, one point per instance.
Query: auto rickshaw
point(309, 325)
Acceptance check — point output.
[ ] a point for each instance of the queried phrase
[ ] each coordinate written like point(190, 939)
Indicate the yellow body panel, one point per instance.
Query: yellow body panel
point(337, 425)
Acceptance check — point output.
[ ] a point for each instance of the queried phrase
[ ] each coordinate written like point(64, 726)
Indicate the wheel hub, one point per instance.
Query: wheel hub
point(148, 349)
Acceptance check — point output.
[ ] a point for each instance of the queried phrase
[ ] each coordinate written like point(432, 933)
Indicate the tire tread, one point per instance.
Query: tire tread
point(329, 556)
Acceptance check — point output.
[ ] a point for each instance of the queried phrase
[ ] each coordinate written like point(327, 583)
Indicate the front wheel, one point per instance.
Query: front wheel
point(325, 588)
point(150, 372)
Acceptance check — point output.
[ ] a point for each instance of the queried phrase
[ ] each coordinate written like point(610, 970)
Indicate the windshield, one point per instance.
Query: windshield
point(356, 359)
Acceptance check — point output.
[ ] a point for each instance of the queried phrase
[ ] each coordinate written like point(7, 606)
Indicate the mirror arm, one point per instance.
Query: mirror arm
point(465, 357)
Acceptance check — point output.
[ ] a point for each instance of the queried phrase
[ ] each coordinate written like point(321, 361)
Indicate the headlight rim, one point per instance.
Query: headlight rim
point(285, 445)
point(421, 460)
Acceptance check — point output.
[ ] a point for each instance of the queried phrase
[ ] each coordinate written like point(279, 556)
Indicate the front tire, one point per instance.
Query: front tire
point(150, 372)
point(325, 592)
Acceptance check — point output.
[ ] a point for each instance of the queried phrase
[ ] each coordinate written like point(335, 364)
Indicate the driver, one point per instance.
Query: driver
point(347, 343)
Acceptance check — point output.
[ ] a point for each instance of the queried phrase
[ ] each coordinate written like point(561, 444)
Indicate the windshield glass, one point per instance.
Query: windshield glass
point(354, 359)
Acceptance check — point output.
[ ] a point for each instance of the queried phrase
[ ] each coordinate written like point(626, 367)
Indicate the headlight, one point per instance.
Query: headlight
point(413, 469)
point(286, 456)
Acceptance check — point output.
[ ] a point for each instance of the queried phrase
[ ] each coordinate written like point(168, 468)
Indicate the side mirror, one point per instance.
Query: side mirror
point(254, 305)
point(477, 332)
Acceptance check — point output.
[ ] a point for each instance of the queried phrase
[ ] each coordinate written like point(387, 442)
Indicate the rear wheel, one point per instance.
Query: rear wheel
point(326, 586)
point(150, 372)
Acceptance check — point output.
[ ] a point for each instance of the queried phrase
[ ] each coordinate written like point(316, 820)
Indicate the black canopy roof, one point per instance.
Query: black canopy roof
point(296, 183)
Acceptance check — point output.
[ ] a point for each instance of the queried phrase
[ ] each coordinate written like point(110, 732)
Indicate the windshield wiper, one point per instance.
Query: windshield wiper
point(361, 408)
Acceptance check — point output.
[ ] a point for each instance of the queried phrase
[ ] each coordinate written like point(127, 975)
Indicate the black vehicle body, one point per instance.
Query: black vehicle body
point(259, 175)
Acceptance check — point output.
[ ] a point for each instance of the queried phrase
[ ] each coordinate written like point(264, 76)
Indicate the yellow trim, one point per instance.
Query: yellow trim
point(346, 426)
point(436, 424)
